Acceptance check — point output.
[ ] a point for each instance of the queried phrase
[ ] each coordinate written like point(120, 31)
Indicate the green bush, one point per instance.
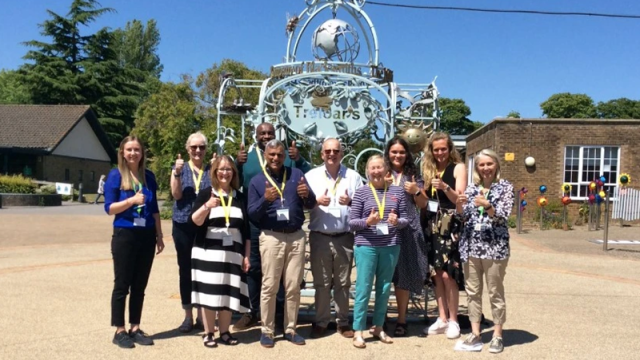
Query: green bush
point(552, 218)
point(16, 184)
point(166, 212)
point(47, 190)
point(512, 222)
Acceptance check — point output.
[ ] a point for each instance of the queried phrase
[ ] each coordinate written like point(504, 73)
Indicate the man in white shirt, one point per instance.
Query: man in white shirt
point(330, 239)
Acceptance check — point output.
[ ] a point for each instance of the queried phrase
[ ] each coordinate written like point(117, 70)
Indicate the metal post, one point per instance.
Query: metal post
point(519, 216)
point(541, 216)
point(565, 226)
point(590, 216)
point(598, 212)
point(605, 241)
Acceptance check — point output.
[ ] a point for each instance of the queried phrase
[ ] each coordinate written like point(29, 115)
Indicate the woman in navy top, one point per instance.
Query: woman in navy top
point(378, 212)
point(187, 179)
point(130, 195)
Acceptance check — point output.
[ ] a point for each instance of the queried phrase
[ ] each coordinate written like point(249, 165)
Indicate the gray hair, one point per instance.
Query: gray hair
point(477, 179)
point(194, 135)
point(274, 144)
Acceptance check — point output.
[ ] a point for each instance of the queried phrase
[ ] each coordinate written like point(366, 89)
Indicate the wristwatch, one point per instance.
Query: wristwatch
point(176, 175)
point(447, 188)
point(488, 207)
point(418, 193)
point(206, 207)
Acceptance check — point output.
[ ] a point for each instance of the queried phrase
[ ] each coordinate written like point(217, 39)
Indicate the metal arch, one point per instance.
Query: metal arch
point(349, 7)
point(227, 83)
point(362, 152)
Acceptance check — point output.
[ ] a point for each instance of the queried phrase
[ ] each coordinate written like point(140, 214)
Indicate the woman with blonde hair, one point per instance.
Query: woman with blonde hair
point(130, 195)
point(220, 255)
point(378, 212)
point(187, 179)
point(446, 175)
point(484, 245)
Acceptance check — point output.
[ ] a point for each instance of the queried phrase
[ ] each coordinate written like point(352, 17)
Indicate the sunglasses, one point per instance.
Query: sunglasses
point(198, 147)
point(331, 151)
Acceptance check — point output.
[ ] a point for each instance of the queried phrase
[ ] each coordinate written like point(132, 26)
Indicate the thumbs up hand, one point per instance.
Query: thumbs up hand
point(270, 193)
point(213, 201)
point(373, 218)
point(138, 198)
point(241, 157)
point(302, 189)
point(179, 165)
point(393, 218)
point(214, 157)
point(324, 200)
point(344, 199)
point(294, 154)
point(388, 178)
point(411, 187)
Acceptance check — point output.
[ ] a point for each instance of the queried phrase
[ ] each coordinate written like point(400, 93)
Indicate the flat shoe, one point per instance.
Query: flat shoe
point(358, 342)
point(383, 337)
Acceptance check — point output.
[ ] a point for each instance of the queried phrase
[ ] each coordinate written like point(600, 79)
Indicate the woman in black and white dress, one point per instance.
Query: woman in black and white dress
point(220, 255)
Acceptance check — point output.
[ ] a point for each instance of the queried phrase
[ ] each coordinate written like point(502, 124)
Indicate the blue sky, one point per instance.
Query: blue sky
point(494, 62)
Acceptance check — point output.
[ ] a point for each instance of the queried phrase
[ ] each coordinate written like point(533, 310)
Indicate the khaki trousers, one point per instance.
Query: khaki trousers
point(282, 257)
point(494, 271)
point(331, 259)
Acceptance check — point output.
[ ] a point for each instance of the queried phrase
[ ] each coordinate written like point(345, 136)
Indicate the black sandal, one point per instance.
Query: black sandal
point(227, 339)
point(209, 341)
point(401, 330)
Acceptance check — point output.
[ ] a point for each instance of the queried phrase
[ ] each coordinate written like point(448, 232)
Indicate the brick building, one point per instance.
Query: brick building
point(573, 151)
point(57, 143)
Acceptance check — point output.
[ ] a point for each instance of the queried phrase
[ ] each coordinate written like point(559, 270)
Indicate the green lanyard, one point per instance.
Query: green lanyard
point(481, 208)
point(135, 190)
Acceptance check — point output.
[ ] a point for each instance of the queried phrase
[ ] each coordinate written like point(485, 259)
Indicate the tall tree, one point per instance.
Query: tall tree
point(454, 117)
point(567, 105)
point(12, 90)
point(137, 46)
point(622, 108)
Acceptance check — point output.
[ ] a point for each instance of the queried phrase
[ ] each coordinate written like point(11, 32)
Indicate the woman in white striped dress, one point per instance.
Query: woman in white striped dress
point(220, 254)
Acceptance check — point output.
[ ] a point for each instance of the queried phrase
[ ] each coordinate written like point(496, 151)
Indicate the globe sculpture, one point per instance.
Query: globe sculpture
point(335, 40)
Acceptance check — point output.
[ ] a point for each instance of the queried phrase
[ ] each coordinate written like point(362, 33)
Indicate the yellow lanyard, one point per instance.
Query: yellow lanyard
point(262, 162)
point(397, 180)
point(284, 182)
point(226, 208)
point(197, 180)
point(384, 199)
point(433, 190)
point(335, 184)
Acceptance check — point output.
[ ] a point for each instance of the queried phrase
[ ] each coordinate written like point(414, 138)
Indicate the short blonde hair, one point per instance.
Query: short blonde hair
point(194, 135)
point(372, 158)
point(476, 174)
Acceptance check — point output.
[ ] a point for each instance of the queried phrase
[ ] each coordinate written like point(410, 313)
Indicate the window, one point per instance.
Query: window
point(584, 164)
point(67, 175)
point(93, 176)
point(80, 175)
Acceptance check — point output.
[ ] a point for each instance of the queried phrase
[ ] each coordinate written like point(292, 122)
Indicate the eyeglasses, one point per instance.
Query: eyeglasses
point(198, 147)
point(224, 170)
point(331, 151)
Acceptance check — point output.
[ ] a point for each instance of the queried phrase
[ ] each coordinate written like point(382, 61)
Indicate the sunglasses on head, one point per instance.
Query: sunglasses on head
point(198, 147)
point(331, 151)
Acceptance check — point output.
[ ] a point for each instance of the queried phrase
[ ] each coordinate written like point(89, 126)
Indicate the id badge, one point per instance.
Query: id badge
point(335, 212)
point(282, 214)
point(142, 222)
point(227, 240)
point(382, 229)
point(478, 227)
point(433, 206)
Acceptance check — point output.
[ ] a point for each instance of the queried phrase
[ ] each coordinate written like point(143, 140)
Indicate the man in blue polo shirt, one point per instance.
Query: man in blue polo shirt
point(249, 165)
point(277, 198)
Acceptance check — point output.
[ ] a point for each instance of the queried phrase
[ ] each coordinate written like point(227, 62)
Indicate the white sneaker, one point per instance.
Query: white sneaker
point(438, 327)
point(453, 330)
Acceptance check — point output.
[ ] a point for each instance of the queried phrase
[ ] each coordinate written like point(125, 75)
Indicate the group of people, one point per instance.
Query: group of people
point(244, 251)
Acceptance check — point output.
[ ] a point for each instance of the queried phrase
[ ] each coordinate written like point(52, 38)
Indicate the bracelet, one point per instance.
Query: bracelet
point(206, 207)
point(176, 175)
point(489, 207)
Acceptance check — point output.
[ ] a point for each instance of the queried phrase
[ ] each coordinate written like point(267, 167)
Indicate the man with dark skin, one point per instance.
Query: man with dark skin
point(251, 163)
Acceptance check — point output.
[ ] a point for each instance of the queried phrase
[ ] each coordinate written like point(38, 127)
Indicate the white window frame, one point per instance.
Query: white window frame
point(585, 182)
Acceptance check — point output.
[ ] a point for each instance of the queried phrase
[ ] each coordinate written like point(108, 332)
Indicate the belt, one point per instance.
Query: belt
point(332, 234)
point(285, 230)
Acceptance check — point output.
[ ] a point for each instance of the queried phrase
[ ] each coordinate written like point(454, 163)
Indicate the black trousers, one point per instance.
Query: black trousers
point(183, 236)
point(132, 251)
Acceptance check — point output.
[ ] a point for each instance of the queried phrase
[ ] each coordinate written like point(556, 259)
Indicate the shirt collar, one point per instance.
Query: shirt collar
point(342, 171)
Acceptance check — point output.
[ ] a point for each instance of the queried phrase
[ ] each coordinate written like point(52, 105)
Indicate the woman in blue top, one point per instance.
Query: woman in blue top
point(130, 195)
point(187, 179)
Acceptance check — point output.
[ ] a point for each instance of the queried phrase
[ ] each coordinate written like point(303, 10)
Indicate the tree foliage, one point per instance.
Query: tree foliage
point(12, 90)
point(567, 105)
point(622, 108)
point(454, 118)
point(513, 114)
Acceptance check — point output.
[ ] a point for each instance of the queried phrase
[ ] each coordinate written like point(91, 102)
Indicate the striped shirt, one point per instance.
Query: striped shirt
point(362, 204)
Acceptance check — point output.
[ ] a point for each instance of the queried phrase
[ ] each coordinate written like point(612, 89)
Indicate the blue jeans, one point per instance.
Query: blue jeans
point(378, 261)
point(254, 278)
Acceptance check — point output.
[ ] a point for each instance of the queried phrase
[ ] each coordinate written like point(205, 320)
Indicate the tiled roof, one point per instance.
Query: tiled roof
point(37, 126)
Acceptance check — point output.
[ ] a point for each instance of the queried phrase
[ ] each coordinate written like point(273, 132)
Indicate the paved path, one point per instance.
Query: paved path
point(567, 299)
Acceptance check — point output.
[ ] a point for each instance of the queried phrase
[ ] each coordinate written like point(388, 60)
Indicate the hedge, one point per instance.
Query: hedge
point(16, 184)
